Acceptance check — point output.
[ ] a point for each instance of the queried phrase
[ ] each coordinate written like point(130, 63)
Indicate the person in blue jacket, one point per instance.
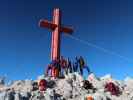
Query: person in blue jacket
point(76, 64)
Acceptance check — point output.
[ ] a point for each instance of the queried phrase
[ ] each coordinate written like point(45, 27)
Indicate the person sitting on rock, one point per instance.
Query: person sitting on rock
point(82, 65)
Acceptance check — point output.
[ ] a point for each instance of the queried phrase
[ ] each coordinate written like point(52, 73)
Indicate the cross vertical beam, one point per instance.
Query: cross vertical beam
point(55, 46)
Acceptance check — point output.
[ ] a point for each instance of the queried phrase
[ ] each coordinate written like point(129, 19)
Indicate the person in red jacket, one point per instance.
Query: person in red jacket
point(53, 69)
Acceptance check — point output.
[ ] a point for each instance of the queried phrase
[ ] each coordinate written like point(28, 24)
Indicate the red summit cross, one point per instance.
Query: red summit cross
point(56, 28)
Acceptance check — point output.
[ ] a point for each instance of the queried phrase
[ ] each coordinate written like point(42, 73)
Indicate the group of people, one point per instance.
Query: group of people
point(58, 68)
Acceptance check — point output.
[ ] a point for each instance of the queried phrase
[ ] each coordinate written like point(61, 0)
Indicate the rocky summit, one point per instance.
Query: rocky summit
point(71, 87)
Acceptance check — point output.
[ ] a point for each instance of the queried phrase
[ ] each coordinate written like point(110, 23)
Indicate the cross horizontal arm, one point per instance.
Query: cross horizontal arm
point(47, 24)
point(66, 30)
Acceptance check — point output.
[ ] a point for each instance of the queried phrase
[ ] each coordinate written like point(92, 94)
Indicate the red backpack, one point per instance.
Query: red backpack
point(111, 87)
point(42, 85)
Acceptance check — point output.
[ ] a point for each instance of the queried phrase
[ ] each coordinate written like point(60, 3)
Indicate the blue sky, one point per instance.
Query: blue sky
point(25, 47)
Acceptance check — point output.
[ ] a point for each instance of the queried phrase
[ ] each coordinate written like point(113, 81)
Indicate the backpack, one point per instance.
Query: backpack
point(81, 61)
